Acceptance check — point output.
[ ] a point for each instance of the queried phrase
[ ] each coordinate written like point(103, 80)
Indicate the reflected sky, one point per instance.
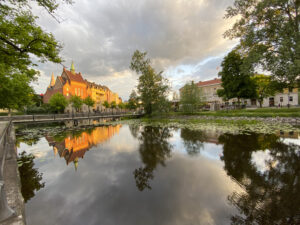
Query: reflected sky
point(188, 186)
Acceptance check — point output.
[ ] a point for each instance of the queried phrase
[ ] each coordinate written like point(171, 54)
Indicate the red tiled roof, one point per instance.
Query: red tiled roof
point(209, 82)
point(74, 77)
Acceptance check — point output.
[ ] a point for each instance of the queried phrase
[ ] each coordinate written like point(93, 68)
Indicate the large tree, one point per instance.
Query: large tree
point(265, 87)
point(152, 87)
point(236, 80)
point(89, 102)
point(269, 35)
point(21, 41)
point(76, 102)
point(190, 97)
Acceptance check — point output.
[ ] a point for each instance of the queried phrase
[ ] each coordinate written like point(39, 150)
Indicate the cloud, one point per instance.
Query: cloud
point(101, 36)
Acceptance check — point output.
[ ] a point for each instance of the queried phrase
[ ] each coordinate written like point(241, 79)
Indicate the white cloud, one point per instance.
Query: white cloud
point(100, 36)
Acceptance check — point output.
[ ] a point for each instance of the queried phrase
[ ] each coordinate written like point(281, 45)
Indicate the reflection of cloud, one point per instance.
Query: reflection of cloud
point(186, 191)
point(260, 159)
point(289, 141)
point(39, 152)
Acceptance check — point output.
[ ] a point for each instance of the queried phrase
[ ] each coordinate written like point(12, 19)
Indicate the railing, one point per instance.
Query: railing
point(69, 116)
point(5, 211)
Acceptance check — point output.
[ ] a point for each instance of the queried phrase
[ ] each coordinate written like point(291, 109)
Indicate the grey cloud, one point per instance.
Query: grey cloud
point(100, 36)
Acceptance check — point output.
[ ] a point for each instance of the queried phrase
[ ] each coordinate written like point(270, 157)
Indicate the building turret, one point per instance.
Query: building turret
point(72, 68)
point(52, 82)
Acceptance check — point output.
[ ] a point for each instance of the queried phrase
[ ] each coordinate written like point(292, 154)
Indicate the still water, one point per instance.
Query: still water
point(126, 175)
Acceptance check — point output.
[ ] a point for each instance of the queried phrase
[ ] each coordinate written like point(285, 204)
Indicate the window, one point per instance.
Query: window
point(67, 94)
point(291, 98)
point(281, 99)
point(75, 91)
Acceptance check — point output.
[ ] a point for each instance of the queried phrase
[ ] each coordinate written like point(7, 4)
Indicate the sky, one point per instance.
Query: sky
point(183, 38)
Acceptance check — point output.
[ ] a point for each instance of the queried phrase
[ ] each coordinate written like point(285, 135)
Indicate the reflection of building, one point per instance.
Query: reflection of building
point(75, 146)
point(209, 91)
point(71, 83)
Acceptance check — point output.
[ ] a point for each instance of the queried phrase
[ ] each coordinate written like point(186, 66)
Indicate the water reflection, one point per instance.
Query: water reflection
point(192, 140)
point(74, 144)
point(268, 170)
point(31, 178)
point(154, 149)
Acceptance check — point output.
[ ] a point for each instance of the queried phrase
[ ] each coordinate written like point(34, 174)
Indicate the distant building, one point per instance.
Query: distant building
point(71, 83)
point(209, 91)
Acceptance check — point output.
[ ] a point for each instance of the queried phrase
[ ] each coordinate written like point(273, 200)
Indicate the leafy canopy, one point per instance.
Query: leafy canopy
point(236, 81)
point(269, 35)
point(152, 87)
point(76, 102)
point(58, 102)
point(21, 40)
point(190, 97)
point(89, 101)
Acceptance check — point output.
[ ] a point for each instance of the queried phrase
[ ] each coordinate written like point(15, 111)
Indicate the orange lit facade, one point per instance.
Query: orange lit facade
point(71, 83)
point(72, 148)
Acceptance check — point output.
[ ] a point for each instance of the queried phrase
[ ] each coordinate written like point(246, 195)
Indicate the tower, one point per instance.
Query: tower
point(52, 82)
point(72, 68)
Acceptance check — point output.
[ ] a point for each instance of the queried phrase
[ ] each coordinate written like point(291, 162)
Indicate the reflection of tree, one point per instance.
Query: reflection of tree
point(29, 140)
point(134, 129)
point(192, 140)
point(154, 150)
point(30, 177)
point(271, 196)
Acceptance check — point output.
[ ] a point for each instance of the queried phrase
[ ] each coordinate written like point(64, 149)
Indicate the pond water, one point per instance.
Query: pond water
point(129, 174)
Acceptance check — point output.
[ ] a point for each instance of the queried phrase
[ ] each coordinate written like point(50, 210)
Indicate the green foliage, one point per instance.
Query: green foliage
point(15, 92)
point(30, 177)
point(264, 87)
point(106, 104)
point(269, 35)
point(152, 87)
point(236, 80)
point(121, 105)
point(58, 102)
point(76, 102)
point(133, 100)
point(21, 39)
point(113, 105)
point(89, 101)
point(190, 97)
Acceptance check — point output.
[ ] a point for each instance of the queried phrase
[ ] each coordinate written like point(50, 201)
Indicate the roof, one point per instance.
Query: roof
point(209, 82)
point(74, 77)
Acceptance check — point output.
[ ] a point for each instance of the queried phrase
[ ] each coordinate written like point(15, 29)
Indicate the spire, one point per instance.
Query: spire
point(72, 68)
point(52, 80)
point(76, 163)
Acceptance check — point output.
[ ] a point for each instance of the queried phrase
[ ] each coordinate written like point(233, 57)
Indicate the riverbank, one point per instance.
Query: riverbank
point(249, 112)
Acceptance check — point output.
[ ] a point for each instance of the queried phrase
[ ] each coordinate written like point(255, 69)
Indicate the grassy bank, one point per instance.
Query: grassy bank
point(260, 112)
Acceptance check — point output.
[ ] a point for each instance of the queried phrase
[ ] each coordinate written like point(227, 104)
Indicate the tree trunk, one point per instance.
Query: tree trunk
point(260, 104)
point(9, 112)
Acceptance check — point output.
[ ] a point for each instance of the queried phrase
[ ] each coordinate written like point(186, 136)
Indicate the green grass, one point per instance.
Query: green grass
point(261, 112)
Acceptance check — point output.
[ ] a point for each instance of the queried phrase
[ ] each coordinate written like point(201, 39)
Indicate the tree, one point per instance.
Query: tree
point(106, 104)
point(89, 102)
point(76, 102)
point(15, 93)
point(269, 35)
point(30, 177)
point(133, 100)
point(152, 87)
point(121, 105)
point(58, 102)
point(21, 39)
point(264, 87)
point(236, 80)
point(113, 105)
point(190, 97)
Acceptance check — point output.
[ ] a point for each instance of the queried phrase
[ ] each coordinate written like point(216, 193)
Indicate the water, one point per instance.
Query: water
point(149, 175)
